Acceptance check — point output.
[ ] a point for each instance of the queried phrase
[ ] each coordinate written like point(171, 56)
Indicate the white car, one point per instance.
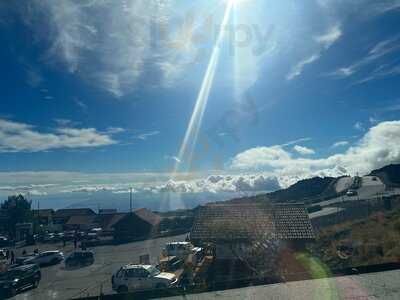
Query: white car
point(45, 258)
point(141, 277)
point(351, 193)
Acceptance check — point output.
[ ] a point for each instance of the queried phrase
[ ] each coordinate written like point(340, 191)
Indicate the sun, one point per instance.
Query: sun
point(236, 2)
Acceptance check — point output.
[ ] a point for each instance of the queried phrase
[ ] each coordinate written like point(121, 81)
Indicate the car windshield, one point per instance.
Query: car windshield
point(153, 271)
point(201, 147)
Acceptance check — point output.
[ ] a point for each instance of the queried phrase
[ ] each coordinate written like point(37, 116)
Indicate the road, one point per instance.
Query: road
point(382, 285)
point(369, 189)
point(59, 283)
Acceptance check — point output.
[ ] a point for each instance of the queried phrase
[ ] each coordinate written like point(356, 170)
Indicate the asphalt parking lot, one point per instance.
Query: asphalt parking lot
point(61, 283)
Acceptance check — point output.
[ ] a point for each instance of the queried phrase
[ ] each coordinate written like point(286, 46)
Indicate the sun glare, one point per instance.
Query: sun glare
point(192, 132)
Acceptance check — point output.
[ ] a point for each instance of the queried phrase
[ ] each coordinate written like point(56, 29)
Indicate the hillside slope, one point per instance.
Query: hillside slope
point(390, 175)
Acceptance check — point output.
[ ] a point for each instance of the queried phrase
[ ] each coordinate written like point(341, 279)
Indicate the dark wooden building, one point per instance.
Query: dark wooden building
point(141, 223)
point(62, 216)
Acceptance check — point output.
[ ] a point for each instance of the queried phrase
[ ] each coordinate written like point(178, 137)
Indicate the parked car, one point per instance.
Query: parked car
point(90, 236)
point(141, 277)
point(79, 258)
point(351, 193)
point(49, 238)
point(45, 258)
point(19, 278)
point(4, 241)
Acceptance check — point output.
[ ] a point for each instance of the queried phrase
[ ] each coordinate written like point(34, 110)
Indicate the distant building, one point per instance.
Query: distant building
point(81, 222)
point(234, 228)
point(45, 219)
point(62, 216)
point(44, 216)
point(107, 221)
point(104, 211)
point(141, 223)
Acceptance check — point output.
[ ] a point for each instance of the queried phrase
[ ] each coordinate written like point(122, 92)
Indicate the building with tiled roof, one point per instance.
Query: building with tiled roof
point(225, 225)
point(141, 223)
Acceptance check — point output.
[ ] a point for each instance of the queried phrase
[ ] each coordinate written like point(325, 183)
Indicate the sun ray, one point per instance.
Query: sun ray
point(192, 132)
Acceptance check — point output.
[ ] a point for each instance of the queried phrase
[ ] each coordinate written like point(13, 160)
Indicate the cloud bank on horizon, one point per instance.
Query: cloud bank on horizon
point(258, 169)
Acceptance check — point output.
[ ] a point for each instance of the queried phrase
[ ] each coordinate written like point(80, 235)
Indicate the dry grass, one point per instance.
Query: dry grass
point(373, 240)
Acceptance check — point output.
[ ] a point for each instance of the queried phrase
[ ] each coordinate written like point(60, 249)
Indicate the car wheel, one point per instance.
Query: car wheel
point(161, 286)
point(122, 289)
point(36, 283)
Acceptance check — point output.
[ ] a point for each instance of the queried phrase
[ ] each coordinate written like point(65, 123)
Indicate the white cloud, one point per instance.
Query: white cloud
point(376, 52)
point(220, 184)
point(373, 120)
point(117, 51)
point(145, 136)
point(378, 147)
point(115, 130)
point(330, 37)
point(302, 140)
point(359, 126)
point(80, 104)
point(298, 68)
point(325, 41)
point(303, 150)
point(65, 122)
point(174, 158)
point(20, 137)
point(340, 144)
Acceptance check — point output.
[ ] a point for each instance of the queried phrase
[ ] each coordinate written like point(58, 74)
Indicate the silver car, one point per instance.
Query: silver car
point(46, 258)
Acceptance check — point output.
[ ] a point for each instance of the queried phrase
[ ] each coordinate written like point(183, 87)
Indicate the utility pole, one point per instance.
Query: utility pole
point(130, 198)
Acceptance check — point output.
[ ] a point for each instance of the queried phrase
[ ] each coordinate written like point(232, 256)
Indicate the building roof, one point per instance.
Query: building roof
point(107, 211)
point(44, 212)
point(148, 216)
point(81, 220)
point(68, 212)
point(107, 221)
point(144, 214)
point(246, 221)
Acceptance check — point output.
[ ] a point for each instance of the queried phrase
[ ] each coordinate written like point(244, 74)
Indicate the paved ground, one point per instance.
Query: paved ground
point(60, 283)
point(383, 285)
point(369, 189)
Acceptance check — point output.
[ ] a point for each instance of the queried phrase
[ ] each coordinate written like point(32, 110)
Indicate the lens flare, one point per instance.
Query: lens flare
point(192, 132)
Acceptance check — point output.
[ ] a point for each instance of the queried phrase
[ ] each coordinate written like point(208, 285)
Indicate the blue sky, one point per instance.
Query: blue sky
point(106, 92)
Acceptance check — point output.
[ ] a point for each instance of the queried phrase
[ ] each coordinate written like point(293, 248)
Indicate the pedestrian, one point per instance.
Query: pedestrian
point(24, 252)
point(7, 254)
point(12, 257)
point(64, 241)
